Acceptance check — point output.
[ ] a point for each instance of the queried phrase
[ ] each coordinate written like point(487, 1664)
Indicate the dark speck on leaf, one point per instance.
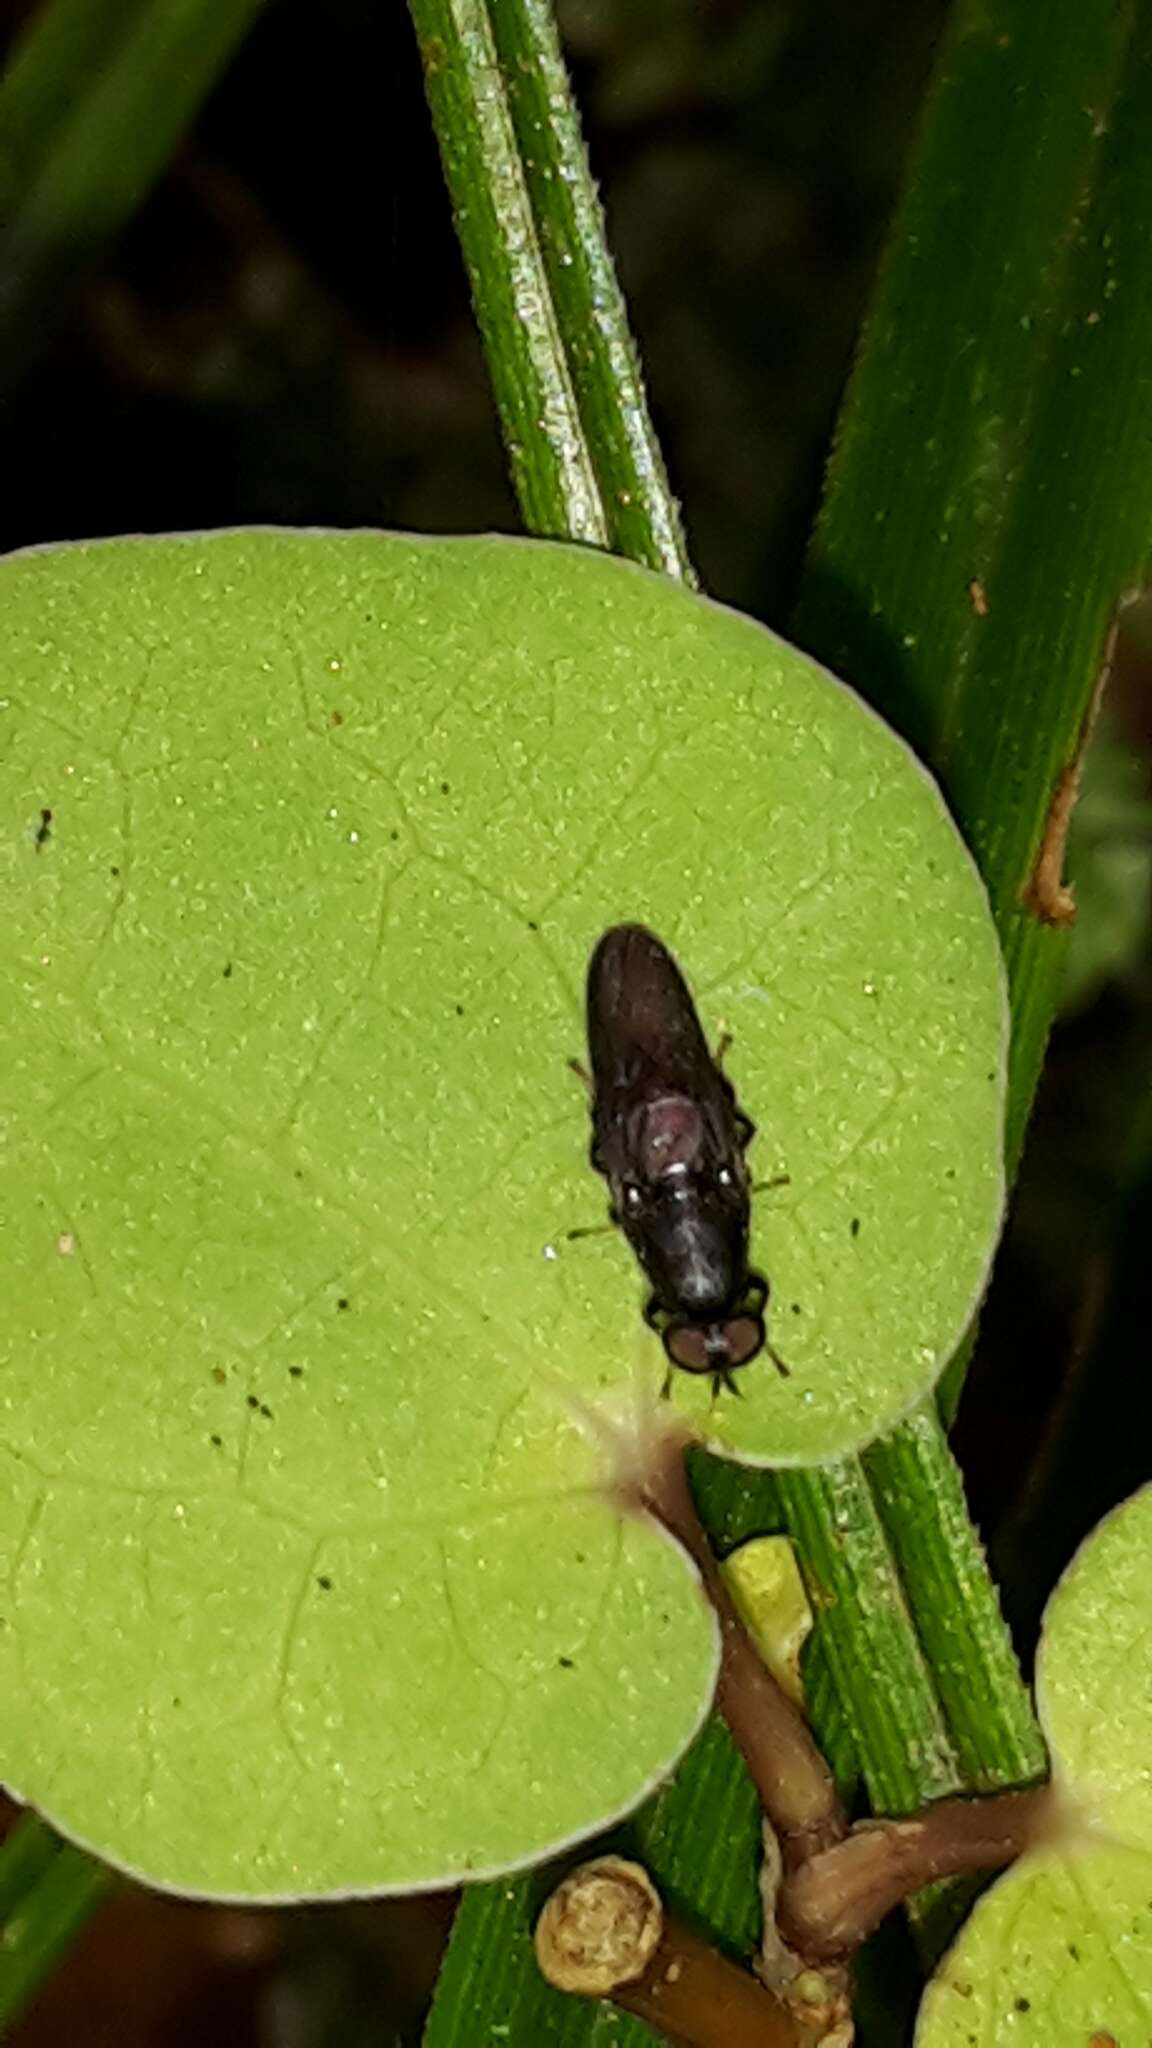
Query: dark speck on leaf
point(532, 925)
point(227, 970)
point(44, 829)
point(115, 872)
point(219, 1375)
point(335, 718)
point(216, 1441)
point(1023, 2005)
point(265, 1411)
point(324, 1582)
point(394, 834)
point(343, 1302)
point(1073, 1951)
point(795, 1307)
point(253, 1400)
point(445, 789)
point(295, 1372)
point(854, 1226)
point(459, 1009)
point(566, 1663)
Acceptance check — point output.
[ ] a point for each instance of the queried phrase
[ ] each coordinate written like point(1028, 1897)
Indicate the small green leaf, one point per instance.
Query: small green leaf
point(308, 839)
point(1061, 1948)
point(766, 1585)
point(1057, 1955)
point(1094, 1673)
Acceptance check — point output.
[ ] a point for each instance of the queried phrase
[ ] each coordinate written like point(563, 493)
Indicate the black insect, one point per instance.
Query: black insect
point(669, 1137)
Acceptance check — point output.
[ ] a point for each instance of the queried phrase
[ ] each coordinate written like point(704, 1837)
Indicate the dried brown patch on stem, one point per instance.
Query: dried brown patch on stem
point(1045, 893)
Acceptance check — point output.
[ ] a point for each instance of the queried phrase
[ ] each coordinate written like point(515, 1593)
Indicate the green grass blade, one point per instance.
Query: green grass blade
point(92, 105)
point(67, 40)
point(48, 1891)
point(998, 433)
point(987, 505)
point(989, 499)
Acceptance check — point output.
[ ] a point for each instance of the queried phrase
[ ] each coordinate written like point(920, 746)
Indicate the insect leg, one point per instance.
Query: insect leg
point(723, 1382)
point(590, 1230)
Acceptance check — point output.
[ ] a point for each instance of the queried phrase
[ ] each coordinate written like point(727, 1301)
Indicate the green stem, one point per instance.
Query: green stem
point(920, 1498)
point(552, 469)
point(869, 1641)
point(27, 1850)
point(584, 458)
point(591, 318)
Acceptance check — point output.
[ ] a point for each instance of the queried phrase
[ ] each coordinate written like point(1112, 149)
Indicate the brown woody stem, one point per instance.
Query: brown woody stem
point(796, 1787)
point(604, 1934)
point(828, 1907)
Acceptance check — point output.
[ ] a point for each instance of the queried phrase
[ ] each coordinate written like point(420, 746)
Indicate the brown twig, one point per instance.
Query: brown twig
point(796, 1787)
point(828, 1907)
point(604, 1933)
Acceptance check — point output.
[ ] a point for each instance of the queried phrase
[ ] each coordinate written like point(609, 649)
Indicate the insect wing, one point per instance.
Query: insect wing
point(642, 1023)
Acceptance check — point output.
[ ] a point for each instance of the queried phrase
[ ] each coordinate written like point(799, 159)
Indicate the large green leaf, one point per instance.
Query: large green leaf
point(311, 1581)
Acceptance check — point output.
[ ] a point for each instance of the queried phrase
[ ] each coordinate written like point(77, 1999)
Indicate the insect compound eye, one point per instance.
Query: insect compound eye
point(743, 1336)
point(687, 1347)
point(715, 1348)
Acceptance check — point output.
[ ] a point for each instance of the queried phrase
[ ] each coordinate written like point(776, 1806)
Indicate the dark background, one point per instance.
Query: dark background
point(284, 335)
